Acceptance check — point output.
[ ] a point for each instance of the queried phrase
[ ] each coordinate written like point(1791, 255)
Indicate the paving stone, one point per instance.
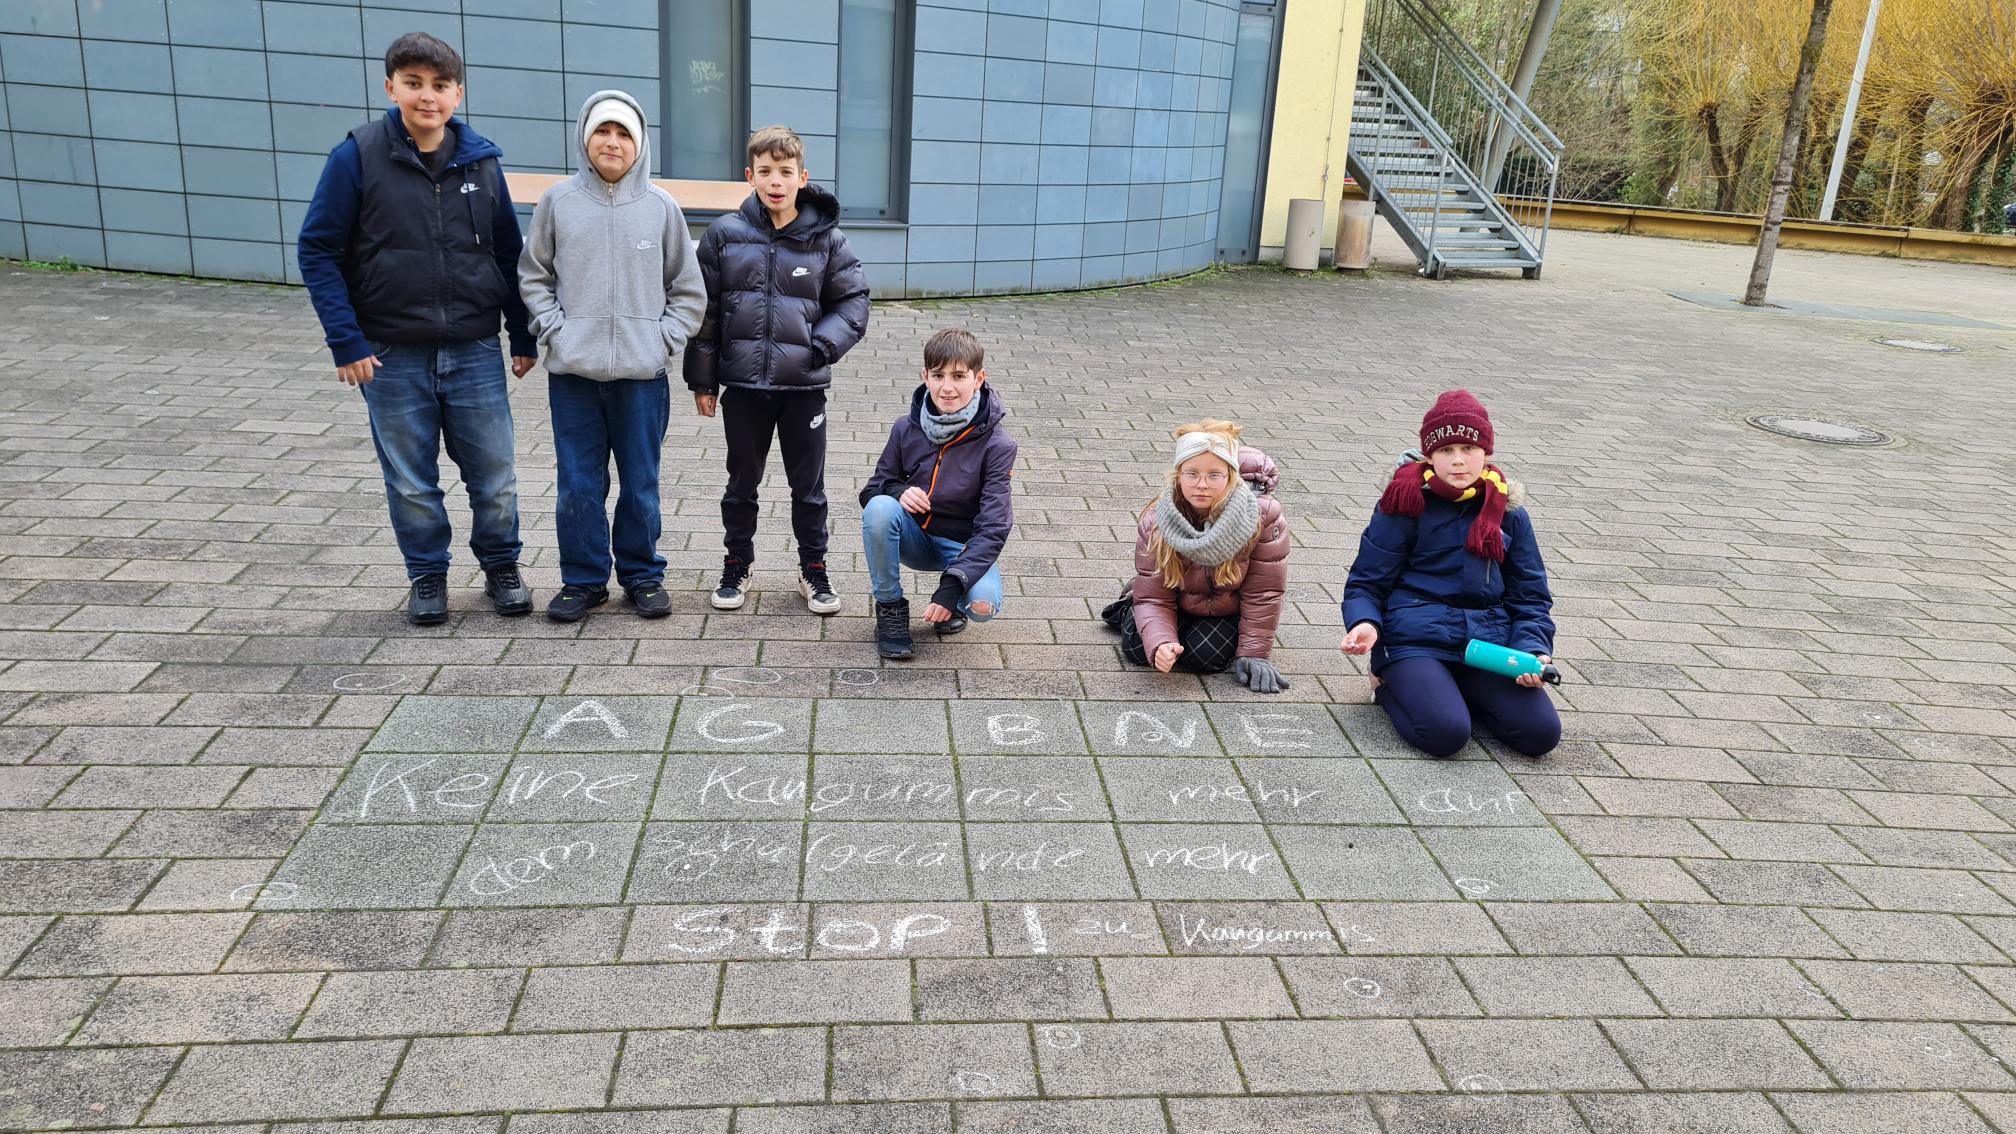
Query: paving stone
point(931, 1061)
point(415, 789)
point(260, 1082)
point(1798, 842)
point(736, 724)
point(1140, 1059)
point(882, 787)
point(139, 944)
point(1111, 1116)
point(1023, 789)
point(600, 724)
point(1870, 1113)
point(1414, 927)
point(720, 1068)
point(1926, 891)
point(619, 996)
point(32, 787)
point(1901, 1056)
point(503, 1073)
point(162, 1010)
point(1772, 883)
point(284, 787)
point(755, 787)
point(1745, 931)
point(1274, 729)
point(1331, 1114)
point(477, 938)
point(894, 861)
point(1670, 1112)
point(1457, 793)
point(869, 727)
point(1408, 987)
point(1650, 880)
point(1515, 865)
point(1554, 986)
point(1891, 991)
point(1873, 936)
point(1716, 1054)
point(624, 1122)
point(1563, 928)
point(1290, 1057)
point(1191, 988)
point(1188, 791)
point(898, 929)
point(43, 1013)
point(363, 867)
point(1034, 988)
point(454, 724)
point(1034, 728)
point(1246, 928)
point(1321, 790)
point(209, 834)
point(1687, 986)
point(1048, 860)
point(544, 864)
point(868, 1118)
point(366, 939)
point(150, 787)
point(1196, 860)
point(787, 992)
point(61, 834)
point(1148, 728)
point(718, 932)
point(407, 1003)
point(1528, 1055)
point(1358, 863)
point(1502, 1114)
point(63, 1089)
point(1105, 929)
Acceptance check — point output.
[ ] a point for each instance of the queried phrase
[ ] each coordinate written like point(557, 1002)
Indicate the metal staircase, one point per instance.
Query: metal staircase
point(1457, 164)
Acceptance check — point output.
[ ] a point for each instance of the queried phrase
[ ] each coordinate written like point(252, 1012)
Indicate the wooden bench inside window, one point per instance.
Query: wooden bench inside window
point(706, 196)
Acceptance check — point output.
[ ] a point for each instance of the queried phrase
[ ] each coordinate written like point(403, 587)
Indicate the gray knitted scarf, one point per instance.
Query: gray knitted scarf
point(938, 428)
point(1226, 536)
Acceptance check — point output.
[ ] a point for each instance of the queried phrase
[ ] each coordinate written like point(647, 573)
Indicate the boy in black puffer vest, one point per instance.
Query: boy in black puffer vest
point(786, 297)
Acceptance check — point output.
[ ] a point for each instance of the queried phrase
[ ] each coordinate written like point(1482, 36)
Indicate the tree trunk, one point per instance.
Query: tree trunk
point(1847, 206)
point(1718, 160)
point(1788, 153)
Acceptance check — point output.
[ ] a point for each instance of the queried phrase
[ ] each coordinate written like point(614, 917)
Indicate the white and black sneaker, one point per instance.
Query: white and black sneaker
point(734, 588)
point(816, 591)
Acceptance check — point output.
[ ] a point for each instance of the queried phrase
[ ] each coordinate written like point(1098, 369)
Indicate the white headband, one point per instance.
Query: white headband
point(1217, 444)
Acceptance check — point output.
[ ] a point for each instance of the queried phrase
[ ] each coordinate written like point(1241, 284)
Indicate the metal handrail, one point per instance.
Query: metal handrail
point(1482, 72)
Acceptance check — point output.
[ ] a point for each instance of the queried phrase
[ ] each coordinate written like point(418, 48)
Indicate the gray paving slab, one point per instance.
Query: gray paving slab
point(1205, 860)
point(454, 724)
point(601, 724)
point(687, 862)
point(1046, 861)
point(544, 864)
point(366, 867)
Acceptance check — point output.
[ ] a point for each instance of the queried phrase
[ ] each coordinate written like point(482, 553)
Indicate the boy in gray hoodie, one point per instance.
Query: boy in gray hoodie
point(614, 292)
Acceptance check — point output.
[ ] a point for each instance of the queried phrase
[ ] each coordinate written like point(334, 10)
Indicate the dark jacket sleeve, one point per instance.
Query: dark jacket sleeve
point(506, 243)
point(996, 517)
point(843, 302)
point(1383, 552)
point(1527, 596)
point(703, 351)
point(887, 479)
point(324, 240)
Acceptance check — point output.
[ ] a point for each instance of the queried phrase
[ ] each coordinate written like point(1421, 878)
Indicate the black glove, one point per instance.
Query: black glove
point(1259, 675)
point(950, 589)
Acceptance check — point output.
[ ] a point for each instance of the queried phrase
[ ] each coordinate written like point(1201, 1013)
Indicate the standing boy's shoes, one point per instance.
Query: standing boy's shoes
point(574, 602)
point(427, 602)
point(649, 600)
point(816, 591)
point(892, 630)
point(507, 590)
point(734, 588)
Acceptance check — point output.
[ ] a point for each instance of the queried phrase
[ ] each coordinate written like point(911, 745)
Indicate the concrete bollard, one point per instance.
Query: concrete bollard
point(1354, 234)
point(1305, 220)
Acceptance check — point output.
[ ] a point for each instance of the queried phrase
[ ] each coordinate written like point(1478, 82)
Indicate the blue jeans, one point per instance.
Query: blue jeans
point(426, 394)
point(892, 539)
point(593, 421)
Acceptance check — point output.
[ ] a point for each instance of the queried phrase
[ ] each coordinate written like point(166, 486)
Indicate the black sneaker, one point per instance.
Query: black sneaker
point(507, 590)
point(574, 602)
point(734, 588)
point(950, 626)
point(427, 603)
point(892, 630)
point(649, 600)
point(816, 591)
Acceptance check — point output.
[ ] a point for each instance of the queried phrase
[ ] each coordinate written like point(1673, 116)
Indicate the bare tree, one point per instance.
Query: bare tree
point(1788, 153)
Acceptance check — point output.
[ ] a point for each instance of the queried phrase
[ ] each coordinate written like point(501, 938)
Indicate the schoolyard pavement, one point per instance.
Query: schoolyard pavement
point(272, 860)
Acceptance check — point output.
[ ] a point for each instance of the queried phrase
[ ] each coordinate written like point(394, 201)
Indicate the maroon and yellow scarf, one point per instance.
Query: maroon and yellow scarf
point(1405, 496)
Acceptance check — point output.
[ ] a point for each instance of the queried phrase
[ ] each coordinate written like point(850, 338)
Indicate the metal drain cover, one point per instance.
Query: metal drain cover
point(1920, 344)
point(1814, 429)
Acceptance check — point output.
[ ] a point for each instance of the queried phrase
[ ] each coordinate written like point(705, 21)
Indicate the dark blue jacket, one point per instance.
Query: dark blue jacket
point(1428, 595)
point(969, 480)
point(782, 306)
point(391, 255)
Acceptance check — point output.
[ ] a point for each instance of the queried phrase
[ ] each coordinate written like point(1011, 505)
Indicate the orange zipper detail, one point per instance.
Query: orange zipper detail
point(936, 463)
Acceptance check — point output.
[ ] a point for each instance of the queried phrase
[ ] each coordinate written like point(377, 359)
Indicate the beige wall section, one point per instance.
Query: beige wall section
point(1312, 114)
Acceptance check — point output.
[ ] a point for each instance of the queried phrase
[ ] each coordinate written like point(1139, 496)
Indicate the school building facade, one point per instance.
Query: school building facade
point(977, 146)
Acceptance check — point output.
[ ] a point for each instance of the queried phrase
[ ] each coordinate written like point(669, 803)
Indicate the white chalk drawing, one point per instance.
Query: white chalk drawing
point(829, 854)
point(1480, 1084)
point(976, 1083)
point(1279, 738)
point(1365, 988)
point(1092, 925)
point(1039, 797)
point(1158, 730)
point(757, 730)
point(692, 859)
point(858, 678)
point(1013, 730)
point(701, 933)
point(747, 675)
point(1208, 793)
point(266, 892)
point(1453, 801)
point(774, 790)
point(848, 936)
point(1357, 936)
point(367, 682)
point(1475, 887)
point(1210, 857)
point(399, 774)
point(1063, 1037)
point(529, 783)
point(1245, 938)
point(907, 792)
point(1031, 921)
point(586, 712)
point(495, 878)
point(1044, 856)
point(1292, 796)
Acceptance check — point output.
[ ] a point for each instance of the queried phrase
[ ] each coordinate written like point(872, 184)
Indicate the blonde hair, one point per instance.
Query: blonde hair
point(1168, 564)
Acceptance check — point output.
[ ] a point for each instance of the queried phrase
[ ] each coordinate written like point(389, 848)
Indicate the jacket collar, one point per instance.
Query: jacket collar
point(470, 147)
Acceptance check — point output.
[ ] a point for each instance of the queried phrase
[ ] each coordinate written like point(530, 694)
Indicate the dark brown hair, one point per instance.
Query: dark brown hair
point(953, 344)
point(779, 142)
point(415, 50)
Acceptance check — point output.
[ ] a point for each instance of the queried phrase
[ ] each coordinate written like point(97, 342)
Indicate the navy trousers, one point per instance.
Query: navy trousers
point(1432, 704)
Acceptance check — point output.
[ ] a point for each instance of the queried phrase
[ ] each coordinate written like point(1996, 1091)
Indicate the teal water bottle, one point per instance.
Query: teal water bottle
point(1508, 661)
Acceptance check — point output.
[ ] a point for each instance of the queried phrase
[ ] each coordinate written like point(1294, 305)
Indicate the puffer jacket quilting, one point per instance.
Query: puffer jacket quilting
point(1256, 599)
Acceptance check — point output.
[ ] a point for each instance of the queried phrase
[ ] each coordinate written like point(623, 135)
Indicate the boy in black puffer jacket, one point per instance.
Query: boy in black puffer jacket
point(786, 297)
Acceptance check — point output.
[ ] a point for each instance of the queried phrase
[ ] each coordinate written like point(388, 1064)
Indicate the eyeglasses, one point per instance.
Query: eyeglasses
point(1192, 476)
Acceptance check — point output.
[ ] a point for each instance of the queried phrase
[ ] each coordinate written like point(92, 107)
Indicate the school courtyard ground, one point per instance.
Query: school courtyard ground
point(274, 861)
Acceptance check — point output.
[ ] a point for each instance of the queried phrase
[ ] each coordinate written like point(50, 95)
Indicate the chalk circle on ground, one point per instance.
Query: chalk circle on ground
point(1063, 1037)
point(1480, 1084)
point(1927, 345)
point(367, 682)
point(266, 892)
point(858, 678)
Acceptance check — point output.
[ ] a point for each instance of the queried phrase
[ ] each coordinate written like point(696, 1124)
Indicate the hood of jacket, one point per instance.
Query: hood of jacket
point(636, 181)
point(818, 210)
point(992, 410)
point(470, 147)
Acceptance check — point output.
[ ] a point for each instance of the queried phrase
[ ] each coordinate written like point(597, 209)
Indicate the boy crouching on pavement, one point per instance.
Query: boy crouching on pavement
point(939, 497)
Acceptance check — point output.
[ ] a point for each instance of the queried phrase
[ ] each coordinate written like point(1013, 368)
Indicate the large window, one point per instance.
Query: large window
point(874, 72)
point(705, 79)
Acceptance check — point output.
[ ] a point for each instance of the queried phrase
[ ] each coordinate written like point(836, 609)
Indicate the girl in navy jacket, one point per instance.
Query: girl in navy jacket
point(1450, 556)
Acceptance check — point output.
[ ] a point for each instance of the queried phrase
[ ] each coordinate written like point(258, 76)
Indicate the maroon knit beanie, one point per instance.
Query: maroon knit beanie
point(1457, 416)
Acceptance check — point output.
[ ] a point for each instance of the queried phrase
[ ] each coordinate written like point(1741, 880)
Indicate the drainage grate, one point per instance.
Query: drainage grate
point(1920, 344)
point(1815, 429)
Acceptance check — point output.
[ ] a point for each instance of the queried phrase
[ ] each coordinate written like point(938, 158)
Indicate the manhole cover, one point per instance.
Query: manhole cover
point(1814, 429)
point(1921, 344)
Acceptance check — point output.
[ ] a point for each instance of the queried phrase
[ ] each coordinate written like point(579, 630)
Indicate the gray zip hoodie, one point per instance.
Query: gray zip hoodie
point(609, 275)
